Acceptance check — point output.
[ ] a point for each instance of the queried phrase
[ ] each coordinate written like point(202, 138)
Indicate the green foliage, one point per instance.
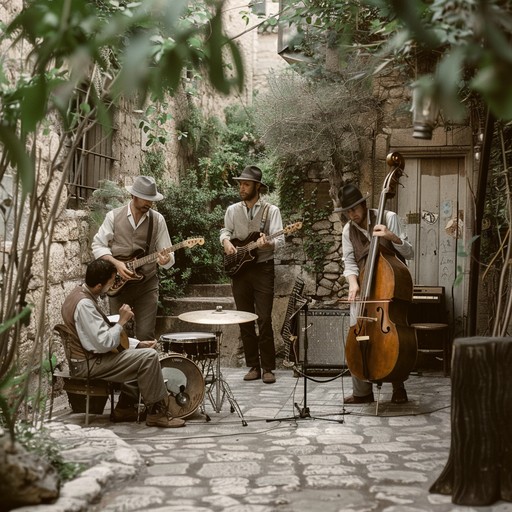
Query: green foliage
point(154, 123)
point(464, 45)
point(195, 206)
point(41, 443)
point(296, 205)
point(105, 198)
point(141, 49)
point(219, 151)
point(187, 208)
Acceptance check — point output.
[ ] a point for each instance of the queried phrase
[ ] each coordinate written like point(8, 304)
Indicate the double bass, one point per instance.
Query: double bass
point(381, 346)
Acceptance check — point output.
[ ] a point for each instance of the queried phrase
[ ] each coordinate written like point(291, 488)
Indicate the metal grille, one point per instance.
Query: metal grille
point(91, 164)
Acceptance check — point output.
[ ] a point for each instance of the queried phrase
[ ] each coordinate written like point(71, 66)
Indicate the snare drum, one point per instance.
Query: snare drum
point(198, 346)
point(185, 383)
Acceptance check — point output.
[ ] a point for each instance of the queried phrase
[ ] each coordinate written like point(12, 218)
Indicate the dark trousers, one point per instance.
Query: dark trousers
point(142, 296)
point(253, 291)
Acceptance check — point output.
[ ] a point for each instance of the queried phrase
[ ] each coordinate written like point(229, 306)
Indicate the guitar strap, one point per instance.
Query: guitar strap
point(264, 217)
point(150, 232)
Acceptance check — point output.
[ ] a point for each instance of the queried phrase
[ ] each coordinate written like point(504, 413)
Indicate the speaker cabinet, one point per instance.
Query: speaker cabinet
point(326, 331)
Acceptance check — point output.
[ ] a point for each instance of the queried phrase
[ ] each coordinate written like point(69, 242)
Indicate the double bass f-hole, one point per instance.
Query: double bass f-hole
point(362, 319)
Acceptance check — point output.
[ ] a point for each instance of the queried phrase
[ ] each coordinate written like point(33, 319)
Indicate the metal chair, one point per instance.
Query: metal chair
point(79, 387)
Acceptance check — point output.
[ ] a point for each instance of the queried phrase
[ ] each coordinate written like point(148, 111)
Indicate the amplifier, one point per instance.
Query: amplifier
point(326, 335)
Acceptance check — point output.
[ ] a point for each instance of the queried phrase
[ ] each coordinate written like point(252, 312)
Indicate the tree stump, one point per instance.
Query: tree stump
point(479, 467)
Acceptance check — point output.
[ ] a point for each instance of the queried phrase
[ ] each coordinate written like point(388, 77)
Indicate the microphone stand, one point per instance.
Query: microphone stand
point(304, 411)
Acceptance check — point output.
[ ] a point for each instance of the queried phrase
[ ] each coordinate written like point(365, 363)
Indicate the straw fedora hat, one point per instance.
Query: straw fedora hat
point(145, 188)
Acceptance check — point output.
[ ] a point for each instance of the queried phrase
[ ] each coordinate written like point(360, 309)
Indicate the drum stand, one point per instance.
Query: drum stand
point(218, 389)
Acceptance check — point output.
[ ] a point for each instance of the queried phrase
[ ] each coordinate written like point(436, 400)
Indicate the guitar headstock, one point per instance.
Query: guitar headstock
point(292, 227)
point(190, 242)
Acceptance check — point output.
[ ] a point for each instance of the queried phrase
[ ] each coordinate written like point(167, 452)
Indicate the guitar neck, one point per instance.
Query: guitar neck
point(252, 245)
point(150, 258)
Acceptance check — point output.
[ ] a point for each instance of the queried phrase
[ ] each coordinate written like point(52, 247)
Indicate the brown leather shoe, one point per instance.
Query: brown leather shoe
point(399, 396)
point(253, 374)
point(164, 419)
point(127, 414)
point(268, 377)
point(353, 399)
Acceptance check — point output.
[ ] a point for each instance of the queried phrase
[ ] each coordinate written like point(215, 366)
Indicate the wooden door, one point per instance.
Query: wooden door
point(431, 204)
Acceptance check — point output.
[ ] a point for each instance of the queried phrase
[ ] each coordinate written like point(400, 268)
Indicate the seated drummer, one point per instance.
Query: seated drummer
point(96, 350)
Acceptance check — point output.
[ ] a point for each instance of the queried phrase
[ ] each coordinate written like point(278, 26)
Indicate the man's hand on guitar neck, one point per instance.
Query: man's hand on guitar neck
point(263, 241)
point(164, 257)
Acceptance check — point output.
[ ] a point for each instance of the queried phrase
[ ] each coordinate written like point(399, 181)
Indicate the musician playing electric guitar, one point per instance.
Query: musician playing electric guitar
point(254, 219)
point(93, 355)
point(130, 229)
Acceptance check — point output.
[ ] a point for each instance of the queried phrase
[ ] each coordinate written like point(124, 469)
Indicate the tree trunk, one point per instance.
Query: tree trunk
point(479, 467)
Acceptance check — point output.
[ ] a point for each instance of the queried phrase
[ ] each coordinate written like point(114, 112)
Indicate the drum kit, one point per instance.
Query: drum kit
point(193, 366)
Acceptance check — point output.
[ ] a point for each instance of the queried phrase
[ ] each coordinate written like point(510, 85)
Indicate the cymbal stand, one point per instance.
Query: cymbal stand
point(222, 389)
point(304, 412)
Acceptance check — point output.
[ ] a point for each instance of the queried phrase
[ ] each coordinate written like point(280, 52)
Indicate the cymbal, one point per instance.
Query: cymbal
point(217, 316)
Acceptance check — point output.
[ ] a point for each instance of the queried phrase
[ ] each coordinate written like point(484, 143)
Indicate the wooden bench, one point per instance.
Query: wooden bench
point(84, 394)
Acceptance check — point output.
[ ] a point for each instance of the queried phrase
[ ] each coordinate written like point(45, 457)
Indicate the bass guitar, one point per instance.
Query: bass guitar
point(246, 249)
point(133, 263)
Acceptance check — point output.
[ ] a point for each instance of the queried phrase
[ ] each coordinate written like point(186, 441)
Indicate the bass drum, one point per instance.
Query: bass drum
point(185, 383)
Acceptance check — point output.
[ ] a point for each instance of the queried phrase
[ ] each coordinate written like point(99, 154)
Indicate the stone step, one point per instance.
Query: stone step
point(209, 290)
point(185, 304)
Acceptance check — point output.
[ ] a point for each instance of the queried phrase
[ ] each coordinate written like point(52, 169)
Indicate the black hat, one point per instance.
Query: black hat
point(251, 173)
point(350, 196)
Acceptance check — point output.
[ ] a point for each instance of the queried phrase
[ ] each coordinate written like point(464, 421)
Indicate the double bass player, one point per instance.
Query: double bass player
point(357, 234)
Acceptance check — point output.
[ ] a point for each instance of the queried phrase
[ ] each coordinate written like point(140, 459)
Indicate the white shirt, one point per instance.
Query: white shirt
point(101, 241)
point(95, 334)
point(392, 221)
point(274, 219)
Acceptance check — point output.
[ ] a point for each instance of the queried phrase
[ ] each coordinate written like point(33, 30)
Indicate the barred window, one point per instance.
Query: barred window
point(92, 163)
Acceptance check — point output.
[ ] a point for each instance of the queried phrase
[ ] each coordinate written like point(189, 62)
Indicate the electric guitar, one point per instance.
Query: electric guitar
point(133, 263)
point(246, 249)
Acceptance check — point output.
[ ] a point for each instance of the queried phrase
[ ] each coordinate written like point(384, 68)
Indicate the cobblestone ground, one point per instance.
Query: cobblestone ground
point(351, 458)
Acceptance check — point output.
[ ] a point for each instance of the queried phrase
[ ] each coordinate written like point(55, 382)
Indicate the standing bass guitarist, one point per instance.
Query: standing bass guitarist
point(254, 220)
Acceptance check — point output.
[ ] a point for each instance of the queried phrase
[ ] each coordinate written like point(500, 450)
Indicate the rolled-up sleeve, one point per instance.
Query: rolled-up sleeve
point(101, 241)
point(229, 225)
point(163, 240)
point(394, 224)
point(349, 260)
point(95, 334)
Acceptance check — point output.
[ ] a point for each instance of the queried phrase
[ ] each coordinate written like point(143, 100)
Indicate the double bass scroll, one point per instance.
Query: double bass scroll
point(381, 346)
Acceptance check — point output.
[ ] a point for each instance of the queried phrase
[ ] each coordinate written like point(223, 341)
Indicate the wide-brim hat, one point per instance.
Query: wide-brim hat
point(350, 196)
point(145, 188)
point(251, 173)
